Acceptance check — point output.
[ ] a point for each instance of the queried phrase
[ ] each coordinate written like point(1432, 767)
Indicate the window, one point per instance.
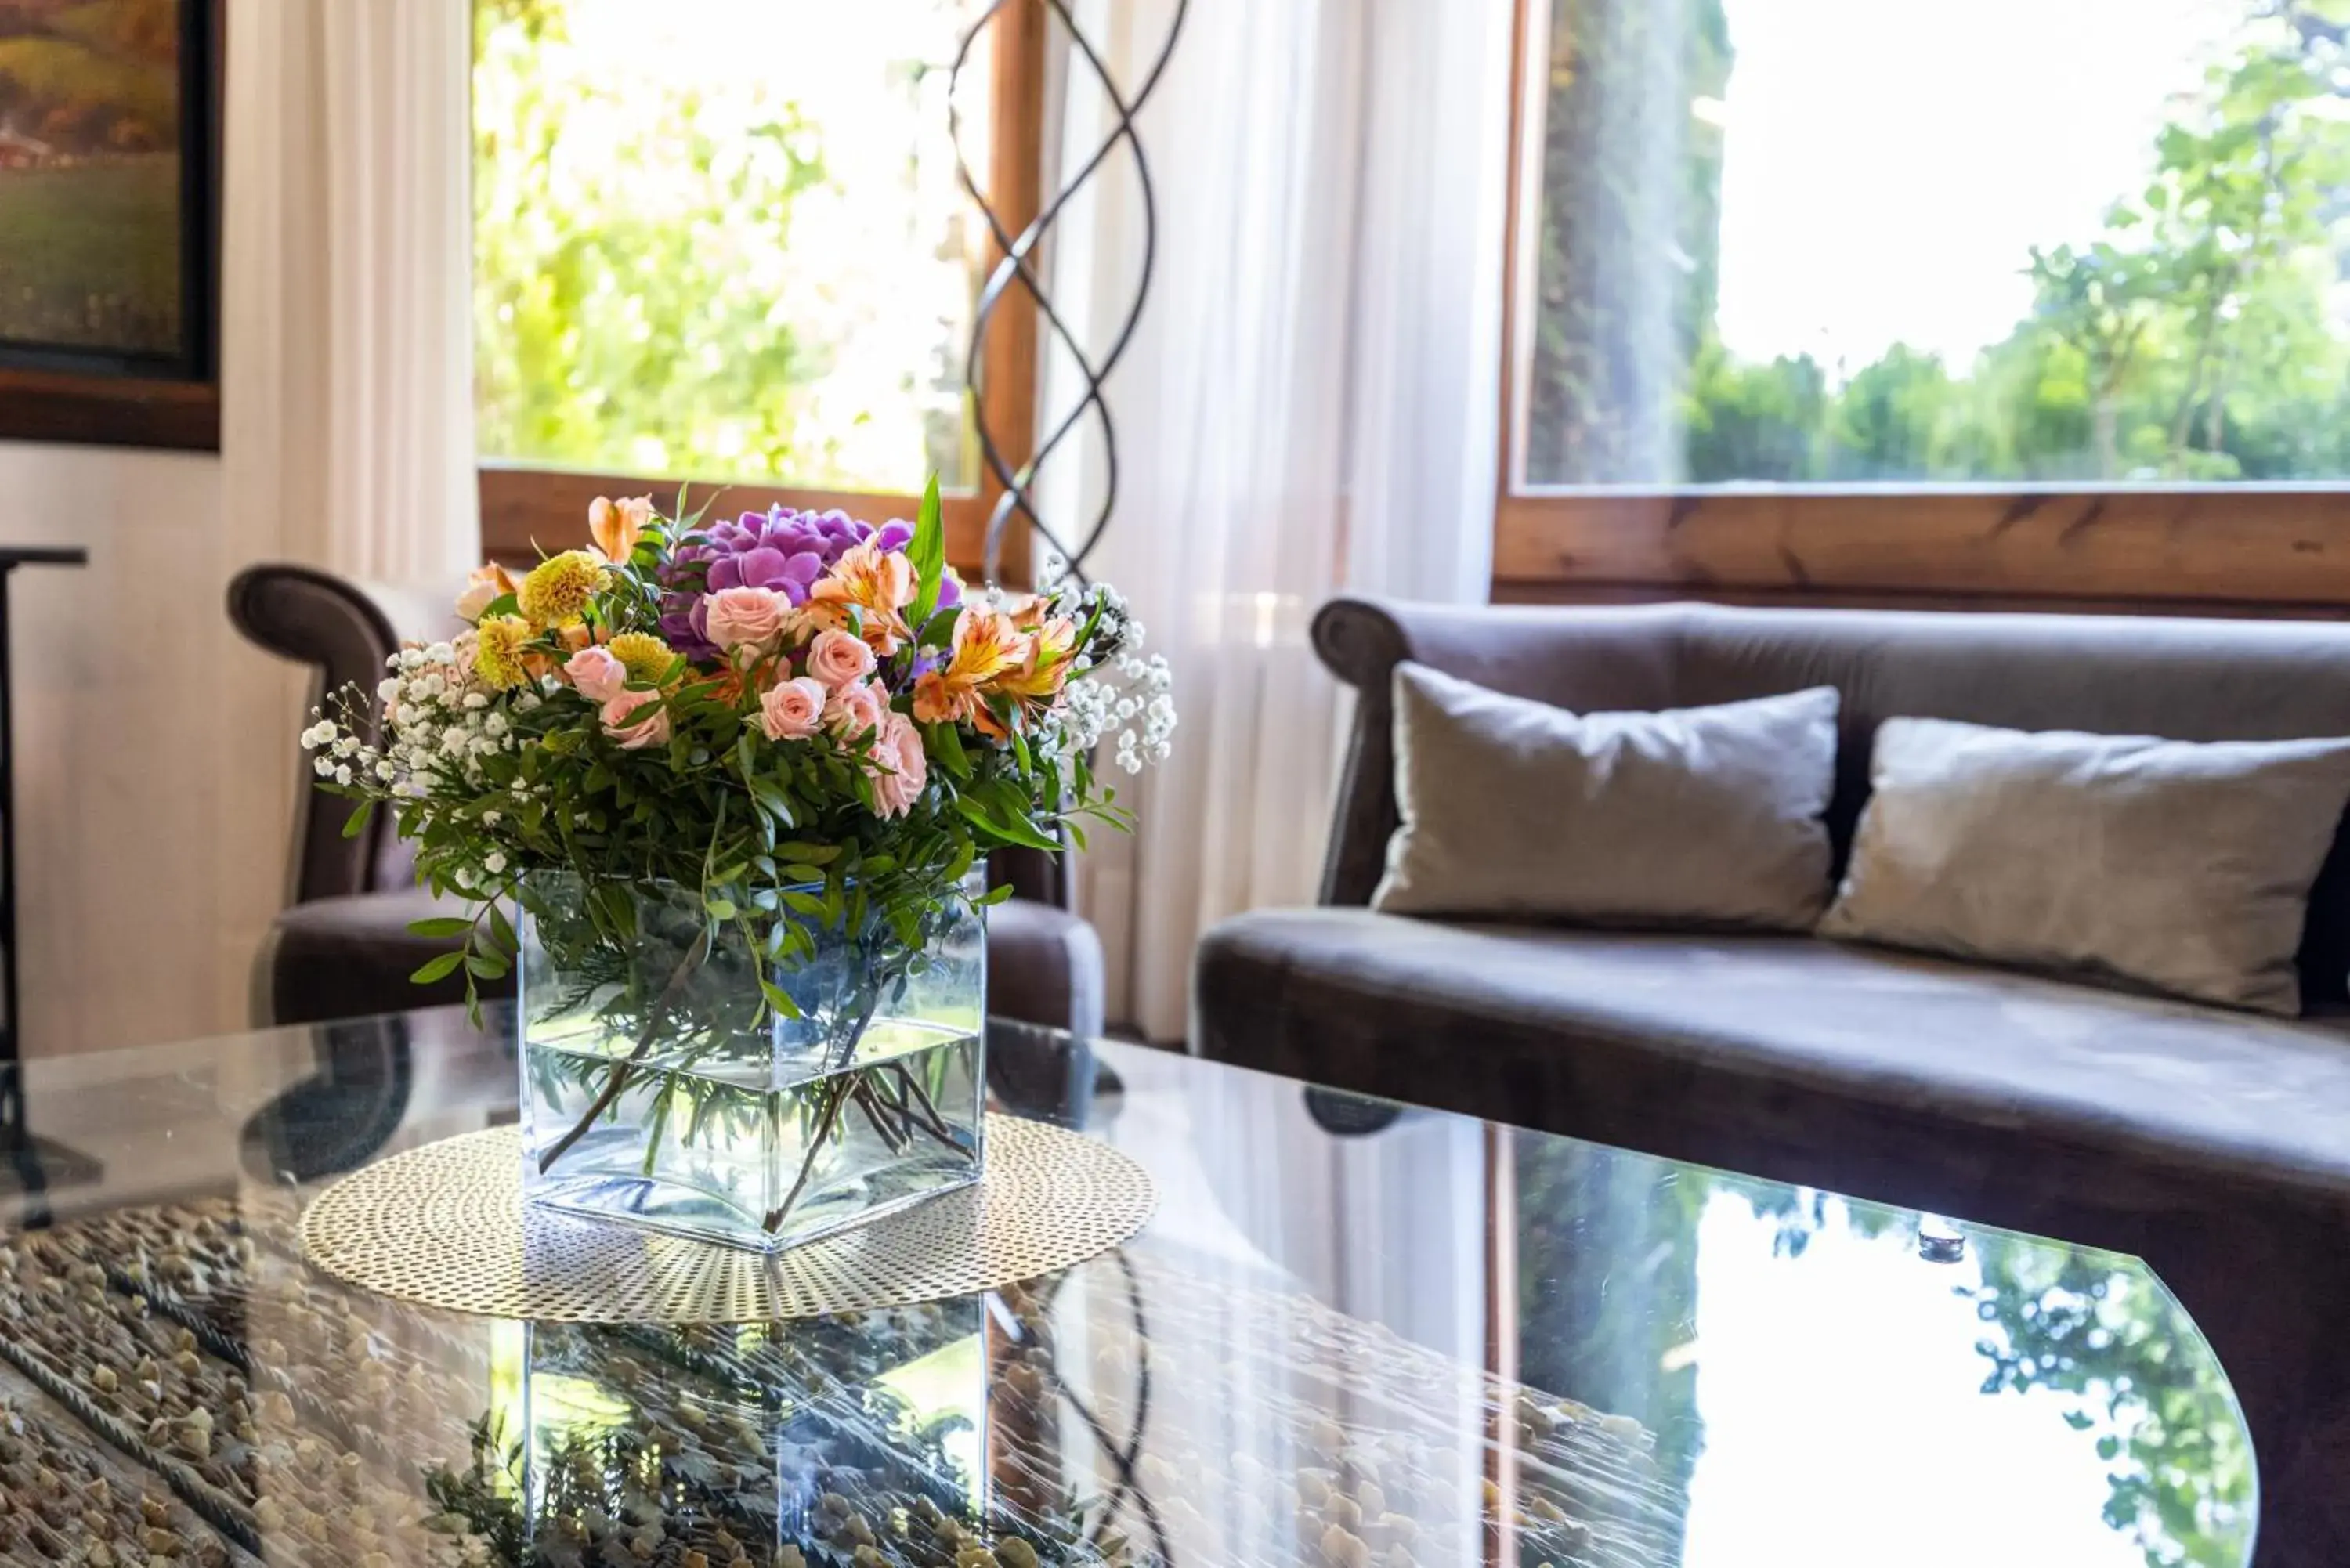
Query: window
point(1966, 258)
point(723, 240)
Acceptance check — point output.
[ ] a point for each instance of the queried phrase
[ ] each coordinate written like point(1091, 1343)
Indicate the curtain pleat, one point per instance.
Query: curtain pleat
point(347, 340)
point(1311, 407)
point(347, 437)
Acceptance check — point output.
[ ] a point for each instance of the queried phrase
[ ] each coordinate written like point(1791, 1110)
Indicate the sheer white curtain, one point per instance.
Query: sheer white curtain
point(347, 334)
point(1310, 407)
point(347, 416)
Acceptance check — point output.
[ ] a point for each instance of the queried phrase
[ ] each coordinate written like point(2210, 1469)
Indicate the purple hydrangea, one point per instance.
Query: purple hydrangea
point(780, 549)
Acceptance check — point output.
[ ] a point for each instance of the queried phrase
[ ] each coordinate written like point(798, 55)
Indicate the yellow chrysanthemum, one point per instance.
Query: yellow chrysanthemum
point(498, 655)
point(645, 656)
point(558, 591)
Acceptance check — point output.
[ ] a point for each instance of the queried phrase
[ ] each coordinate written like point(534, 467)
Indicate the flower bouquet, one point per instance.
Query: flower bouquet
point(740, 780)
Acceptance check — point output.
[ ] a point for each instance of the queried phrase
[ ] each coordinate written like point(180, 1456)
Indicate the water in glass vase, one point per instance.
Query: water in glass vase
point(659, 1088)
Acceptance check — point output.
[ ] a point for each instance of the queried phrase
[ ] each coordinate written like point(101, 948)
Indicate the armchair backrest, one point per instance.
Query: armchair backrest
point(343, 631)
point(2184, 679)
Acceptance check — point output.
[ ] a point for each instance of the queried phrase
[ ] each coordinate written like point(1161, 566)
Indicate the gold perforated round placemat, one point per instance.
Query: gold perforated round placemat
point(445, 1226)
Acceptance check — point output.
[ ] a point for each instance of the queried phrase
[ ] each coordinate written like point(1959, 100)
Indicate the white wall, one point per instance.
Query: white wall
point(150, 844)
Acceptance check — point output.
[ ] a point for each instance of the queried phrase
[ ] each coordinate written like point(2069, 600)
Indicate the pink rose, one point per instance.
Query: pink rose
point(898, 767)
point(650, 731)
point(838, 659)
point(853, 709)
point(739, 615)
point(594, 674)
point(793, 709)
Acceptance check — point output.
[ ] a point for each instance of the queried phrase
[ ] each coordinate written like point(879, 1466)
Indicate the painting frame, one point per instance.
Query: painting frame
point(109, 397)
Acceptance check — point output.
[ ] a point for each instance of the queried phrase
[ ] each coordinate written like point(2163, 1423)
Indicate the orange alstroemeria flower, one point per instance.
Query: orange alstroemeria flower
point(485, 587)
point(1026, 611)
point(570, 640)
point(1036, 681)
point(867, 592)
point(986, 644)
point(617, 525)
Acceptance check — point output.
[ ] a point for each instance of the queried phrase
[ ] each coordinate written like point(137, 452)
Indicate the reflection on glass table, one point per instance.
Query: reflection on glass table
point(1876, 1371)
point(1350, 1335)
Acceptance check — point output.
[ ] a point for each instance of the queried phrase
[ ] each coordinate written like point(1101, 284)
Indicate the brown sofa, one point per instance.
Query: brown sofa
point(2214, 1145)
point(342, 947)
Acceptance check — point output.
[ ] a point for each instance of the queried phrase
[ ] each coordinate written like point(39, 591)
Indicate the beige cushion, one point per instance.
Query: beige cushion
point(2180, 867)
point(1694, 817)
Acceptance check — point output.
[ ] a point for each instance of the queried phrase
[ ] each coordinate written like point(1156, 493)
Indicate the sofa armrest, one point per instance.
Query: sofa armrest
point(1043, 967)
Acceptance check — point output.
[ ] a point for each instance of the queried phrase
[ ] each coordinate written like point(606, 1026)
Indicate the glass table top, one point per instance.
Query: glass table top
point(1352, 1335)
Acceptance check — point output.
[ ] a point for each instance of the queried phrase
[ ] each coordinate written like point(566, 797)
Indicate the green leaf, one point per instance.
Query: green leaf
point(927, 553)
point(487, 968)
point(501, 931)
point(440, 968)
point(778, 804)
point(720, 909)
point(439, 927)
point(779, 999)
point(357, 822)
point(945, 744)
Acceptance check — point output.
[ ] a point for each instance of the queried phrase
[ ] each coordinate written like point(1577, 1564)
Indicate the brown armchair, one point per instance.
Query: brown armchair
point(341, 949)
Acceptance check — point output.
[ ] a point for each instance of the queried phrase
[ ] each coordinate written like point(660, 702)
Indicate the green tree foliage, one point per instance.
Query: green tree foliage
point(628, 271)
point(2181, 1470)
point(2188, 340)
point(1608, 1254)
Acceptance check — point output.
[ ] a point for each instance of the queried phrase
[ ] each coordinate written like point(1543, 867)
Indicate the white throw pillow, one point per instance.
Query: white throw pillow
point(1688, 817)
point(2180, 868)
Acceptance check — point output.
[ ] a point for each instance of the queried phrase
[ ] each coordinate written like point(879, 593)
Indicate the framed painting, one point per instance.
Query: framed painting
point(108, 221)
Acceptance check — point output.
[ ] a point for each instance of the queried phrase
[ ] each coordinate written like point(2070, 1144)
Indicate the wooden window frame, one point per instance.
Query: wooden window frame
point(525, 506)
point(2260, 549)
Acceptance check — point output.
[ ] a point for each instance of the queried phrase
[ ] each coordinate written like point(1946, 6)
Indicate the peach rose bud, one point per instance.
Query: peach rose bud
point(898, 767)
point(742, 617)
point(838, 659)
point(793, 710)
point(855, 708)
point(650, 731)
point(596, 675)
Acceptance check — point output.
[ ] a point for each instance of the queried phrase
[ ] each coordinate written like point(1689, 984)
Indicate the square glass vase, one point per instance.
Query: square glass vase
point(663, 1087)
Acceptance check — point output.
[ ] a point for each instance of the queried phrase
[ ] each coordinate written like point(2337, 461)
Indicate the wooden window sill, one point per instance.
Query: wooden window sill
point(2271, 549)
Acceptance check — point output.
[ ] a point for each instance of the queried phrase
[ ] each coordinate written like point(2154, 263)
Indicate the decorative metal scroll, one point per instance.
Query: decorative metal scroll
point(1018, 265)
